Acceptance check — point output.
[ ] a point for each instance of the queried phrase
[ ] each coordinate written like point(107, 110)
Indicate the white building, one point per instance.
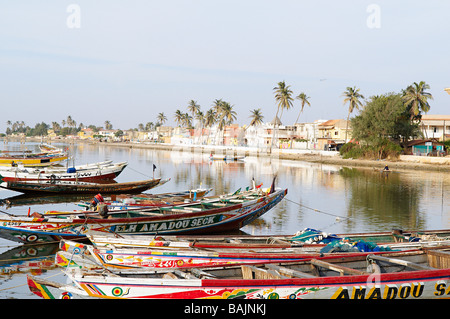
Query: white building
point(436, 126)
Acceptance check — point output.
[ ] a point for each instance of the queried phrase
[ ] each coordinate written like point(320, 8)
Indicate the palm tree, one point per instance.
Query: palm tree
point(200, 117)
point(352, 96)
point(193, 107)
point(416, 98)
point(257, 117)
point(283, 97)
point(304, 100)
point(161, 118)
point(210, 119)
point(149, 126)
point(108, 125)
point(227, 113)
point(178, 117)
point(187, 120)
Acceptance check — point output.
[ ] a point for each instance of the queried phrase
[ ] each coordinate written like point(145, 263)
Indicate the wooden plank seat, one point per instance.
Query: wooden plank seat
point(289, 272)
point(399, 262)
point(340, 269)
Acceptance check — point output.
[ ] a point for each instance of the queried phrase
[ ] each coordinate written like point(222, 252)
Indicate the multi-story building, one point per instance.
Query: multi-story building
point(333, 133)
point(436, 126)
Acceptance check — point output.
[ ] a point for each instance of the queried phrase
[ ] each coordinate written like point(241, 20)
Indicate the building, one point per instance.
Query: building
point(332, 134)
point(424, 147)
point(436, 126)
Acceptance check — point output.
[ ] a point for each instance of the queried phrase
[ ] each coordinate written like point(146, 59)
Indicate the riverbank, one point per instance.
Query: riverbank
point(405, 162)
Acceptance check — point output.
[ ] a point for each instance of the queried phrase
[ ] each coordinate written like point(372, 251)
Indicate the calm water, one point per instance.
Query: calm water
point(330, 198)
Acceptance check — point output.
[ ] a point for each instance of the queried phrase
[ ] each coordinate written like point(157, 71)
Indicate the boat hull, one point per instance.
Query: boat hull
point(44, 229)
point(92, 173)
point(67, 187)
point(412, 285)
point(211, 221)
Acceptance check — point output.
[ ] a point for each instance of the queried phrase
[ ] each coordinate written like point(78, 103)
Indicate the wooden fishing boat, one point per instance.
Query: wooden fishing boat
point(75, 254)
point(421, 274)
point(22, 259)
point(221, 157)
point(114, 201)
point(210, 215)
point(77, 187)
point(305, 238)
point(94, 172)
point(127, 201)
point(50, 155)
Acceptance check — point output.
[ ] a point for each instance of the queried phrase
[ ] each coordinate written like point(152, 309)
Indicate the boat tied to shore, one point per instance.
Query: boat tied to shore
point(78, 187)
point(92, 172)
point(49, 155)
point(418, 274)
point(209, 215)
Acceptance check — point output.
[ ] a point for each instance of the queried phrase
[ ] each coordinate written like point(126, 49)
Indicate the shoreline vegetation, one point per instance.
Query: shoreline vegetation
point(404, 162)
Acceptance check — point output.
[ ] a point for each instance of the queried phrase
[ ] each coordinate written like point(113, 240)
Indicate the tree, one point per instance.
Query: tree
point(108, 125)
point(210, 119)
point(187, 120)
point(161, 119)
point(416, 98)
point(256, 117)
point(352, 97)
point(382, 124)
point(149, 126)
point(178, 117)
point(193, 107)
point(283, 98)
point(304, 100)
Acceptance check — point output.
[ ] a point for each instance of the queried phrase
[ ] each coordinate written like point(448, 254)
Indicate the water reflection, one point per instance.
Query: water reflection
point(384, 197)
point(337, 199)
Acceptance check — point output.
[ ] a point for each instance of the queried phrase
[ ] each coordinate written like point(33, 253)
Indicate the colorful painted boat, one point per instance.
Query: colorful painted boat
point(75, 254)
point(223, 213)
point(129, 201)
point(397, 275)
point(94, 172)
point(50, 155)
point(23, 259)
point(305, 238)
point(77, 187)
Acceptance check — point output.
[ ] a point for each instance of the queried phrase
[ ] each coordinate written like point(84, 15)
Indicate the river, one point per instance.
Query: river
point(329, 198)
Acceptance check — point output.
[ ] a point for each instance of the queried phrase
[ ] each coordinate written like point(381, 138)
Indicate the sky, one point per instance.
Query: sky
point(127, 61)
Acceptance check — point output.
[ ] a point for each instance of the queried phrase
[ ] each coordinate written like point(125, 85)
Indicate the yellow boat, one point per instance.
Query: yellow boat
point(49, 156)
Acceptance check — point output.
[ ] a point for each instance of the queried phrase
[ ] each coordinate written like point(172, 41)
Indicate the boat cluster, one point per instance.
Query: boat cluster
point(123, 243)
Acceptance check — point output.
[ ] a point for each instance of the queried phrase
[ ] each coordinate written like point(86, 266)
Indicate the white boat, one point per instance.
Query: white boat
point(93, 172)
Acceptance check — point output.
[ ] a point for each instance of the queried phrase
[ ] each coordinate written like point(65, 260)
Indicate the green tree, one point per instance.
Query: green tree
point(178, 117)
point(283, 98)
point(193, 107)
point(161, 118)
point(256, 117)
point(304, 100)
point(352, 97)
point(417, 98)
point(382, 125)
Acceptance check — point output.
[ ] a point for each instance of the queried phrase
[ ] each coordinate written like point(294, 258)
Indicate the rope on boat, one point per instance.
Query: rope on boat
point(21, 285)
point(338, 217)
point(139, 172)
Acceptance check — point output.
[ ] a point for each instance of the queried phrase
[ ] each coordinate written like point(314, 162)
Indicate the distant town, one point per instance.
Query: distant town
point(326, 135)
point(387, 125)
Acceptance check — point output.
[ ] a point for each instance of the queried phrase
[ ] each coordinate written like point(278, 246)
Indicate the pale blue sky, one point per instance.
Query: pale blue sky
point(130, 60)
